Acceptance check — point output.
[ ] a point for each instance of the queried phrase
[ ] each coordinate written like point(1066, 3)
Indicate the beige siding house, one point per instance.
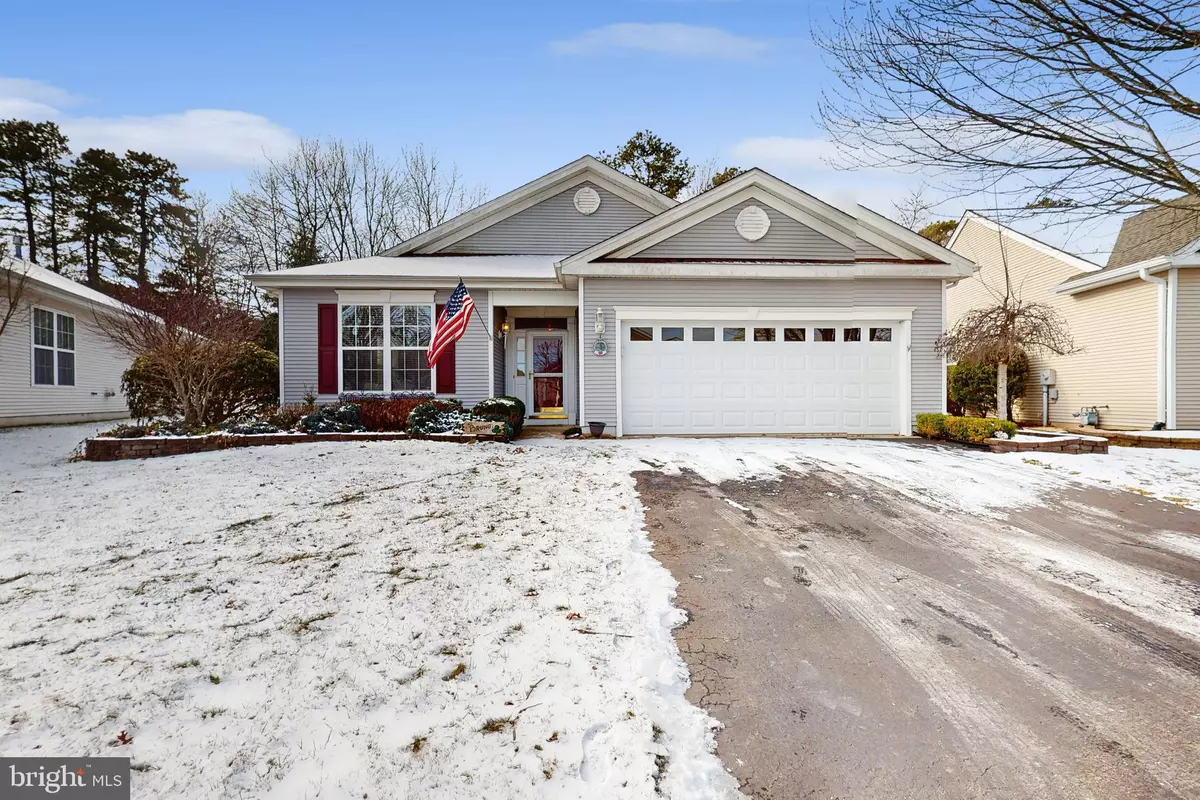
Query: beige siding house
point(55, 364)
point(1133, 322)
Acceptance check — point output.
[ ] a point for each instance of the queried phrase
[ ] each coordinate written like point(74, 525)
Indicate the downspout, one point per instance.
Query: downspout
point(1163, 359)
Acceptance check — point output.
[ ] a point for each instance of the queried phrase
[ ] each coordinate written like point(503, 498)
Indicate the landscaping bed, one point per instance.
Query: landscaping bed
point(105, 449)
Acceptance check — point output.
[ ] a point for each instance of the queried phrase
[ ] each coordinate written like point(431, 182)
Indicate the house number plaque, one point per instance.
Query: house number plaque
point(600, 347)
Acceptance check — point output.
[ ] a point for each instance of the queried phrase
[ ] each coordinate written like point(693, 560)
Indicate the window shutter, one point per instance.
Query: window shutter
point(327, 348)
point(447, 373)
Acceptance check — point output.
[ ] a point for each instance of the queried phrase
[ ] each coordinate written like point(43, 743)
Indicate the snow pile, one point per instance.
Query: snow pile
point(404, 619)
point(1165, 474)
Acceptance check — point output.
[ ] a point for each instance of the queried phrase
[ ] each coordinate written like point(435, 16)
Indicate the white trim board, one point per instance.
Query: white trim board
point(759, 270)
point(832, 314)
point(535, 297)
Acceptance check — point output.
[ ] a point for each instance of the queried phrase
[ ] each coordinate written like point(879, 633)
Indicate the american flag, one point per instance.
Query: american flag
point(452, 324)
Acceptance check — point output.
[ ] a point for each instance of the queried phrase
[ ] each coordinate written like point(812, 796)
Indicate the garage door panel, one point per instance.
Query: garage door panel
point(780, 386)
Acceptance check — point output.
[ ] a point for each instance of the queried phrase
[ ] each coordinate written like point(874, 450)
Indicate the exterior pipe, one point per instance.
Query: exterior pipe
point(1163, 289)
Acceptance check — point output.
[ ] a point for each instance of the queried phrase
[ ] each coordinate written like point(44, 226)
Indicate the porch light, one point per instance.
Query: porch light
point(599, 321)
point(505, 328)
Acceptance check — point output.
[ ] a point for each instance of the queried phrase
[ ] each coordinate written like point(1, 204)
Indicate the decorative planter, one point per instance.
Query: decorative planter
point(596, 429)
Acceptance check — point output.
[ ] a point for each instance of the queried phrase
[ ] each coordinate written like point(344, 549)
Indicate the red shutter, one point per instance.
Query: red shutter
point(327, 333)
point(446, 372)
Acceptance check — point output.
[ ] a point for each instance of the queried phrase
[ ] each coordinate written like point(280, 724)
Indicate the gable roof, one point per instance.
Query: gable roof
point(845, 228)
point(1159, 231)
point(506, 205)
point(974, 217)
point(60, 285)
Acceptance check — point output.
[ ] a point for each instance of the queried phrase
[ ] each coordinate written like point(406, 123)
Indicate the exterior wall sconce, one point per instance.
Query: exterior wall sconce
point(505, 328)
point(600, 321)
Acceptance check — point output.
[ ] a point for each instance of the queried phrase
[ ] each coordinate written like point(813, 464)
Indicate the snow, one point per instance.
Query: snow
point(285, 622)
point(289, 621)
point(1162, 434)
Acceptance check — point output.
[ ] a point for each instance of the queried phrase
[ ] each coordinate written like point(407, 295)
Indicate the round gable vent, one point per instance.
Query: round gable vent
point(752, 223)
point(587, 200)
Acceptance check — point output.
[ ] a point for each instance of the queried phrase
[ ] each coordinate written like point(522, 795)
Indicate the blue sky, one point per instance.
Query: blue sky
point(507, 90)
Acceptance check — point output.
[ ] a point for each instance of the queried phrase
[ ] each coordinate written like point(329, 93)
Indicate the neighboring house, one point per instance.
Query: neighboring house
point(1136, 322)
point(55, 363)
point(751, 308)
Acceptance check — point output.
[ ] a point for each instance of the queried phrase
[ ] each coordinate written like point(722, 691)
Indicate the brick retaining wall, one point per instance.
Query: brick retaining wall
point(1074, 446)
point(155, 446)
point(1134, 440)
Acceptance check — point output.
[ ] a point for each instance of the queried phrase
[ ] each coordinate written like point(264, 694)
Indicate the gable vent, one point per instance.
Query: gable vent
point(587, 200)
point(752, 223)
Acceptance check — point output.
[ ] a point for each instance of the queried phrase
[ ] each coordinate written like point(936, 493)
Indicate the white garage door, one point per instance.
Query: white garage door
point(758, 376)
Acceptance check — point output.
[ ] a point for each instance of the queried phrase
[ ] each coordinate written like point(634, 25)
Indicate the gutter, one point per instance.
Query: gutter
point(1164, 289)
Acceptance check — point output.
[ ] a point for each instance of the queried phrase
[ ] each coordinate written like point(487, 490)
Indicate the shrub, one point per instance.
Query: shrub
point(507, 409)
point(436, 416)
point(388, 413)
point(972, 385)
point(247, 427)
point(961, 429)
point(287, 417)
point(332, 419)
point(250, 385)
point(159, 427)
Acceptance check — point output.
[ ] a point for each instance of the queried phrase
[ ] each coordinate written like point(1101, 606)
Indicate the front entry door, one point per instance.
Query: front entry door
point(547, 385)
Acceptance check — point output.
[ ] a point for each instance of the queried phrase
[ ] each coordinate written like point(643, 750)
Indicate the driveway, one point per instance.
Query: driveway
point(861, 635)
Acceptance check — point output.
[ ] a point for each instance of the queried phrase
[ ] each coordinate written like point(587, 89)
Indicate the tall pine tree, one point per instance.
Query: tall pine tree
point(31, 154)
point(157, 207)
point(103, 208)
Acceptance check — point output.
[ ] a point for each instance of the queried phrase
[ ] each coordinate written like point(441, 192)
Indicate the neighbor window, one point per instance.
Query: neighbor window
point(764, 334)
point(794, 334)
point(380, 356)
point(703, 334)
point(53, 348)
point(881, 334)
point(672, 334)
point(824, 335)
point(735, 334)
point(851, 334)
point(641, 334)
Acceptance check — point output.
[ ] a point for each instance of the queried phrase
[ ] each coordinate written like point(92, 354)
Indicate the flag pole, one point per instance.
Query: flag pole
point(477, 316)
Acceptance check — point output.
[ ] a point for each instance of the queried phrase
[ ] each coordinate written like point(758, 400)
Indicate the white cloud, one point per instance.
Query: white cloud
point(785, 151)
point(667, 38)
point(197, 139)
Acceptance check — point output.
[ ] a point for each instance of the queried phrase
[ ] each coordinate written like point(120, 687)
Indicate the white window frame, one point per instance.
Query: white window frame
point(387, 342)
point(55, 349)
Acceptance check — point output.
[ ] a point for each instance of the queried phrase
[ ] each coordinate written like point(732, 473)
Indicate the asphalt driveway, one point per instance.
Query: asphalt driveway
point(857, 642)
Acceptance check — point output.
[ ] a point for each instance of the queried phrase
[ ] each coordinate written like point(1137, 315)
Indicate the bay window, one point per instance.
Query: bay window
point(53, 348)
point(386, 357)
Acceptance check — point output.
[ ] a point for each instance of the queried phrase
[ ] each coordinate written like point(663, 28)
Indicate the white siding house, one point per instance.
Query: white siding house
point(56, 366)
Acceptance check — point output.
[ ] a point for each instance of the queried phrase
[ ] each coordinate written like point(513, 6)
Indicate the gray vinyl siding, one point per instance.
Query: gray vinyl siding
point(298, 342)
point(298, 347)
point(554, 227)
point(923, 294)
point(99, 364)
point(498, 363)
point(717, 238)
point(865, 251)
point(1187, 351)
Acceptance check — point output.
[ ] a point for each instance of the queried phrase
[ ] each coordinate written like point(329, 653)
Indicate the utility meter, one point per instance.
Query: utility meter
point(1047, 377)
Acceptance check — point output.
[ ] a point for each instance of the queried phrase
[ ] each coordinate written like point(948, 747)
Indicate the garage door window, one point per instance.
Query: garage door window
point(764, 334)
point(672, 334)
point(852, 334)
point(794, 334)
point(704, 334)
point(824, 335)
point(735, 334)
point(881, 334)
point(641, 334)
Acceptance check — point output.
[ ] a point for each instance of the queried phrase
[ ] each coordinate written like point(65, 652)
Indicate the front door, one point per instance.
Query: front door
point(547, 386)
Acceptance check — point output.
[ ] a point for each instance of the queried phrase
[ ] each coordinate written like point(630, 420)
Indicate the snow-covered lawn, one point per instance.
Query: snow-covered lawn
point(403, 619)
point(399, 619)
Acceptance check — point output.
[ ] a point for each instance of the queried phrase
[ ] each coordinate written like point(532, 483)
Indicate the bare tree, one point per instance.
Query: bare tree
point(190, 342)
point(434, 193)
point(14, 275)
point(913, 209)
point(1008, 327)
point(708, 176)
point(1078, 107)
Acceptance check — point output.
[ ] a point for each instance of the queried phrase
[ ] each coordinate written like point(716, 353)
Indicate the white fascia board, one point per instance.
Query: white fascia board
point(1073, 261)
point(1109, 277)
point(515, 200)
point(535, 297)
point(749, 313)
point(752, 192)
point(767, 271)
point(385, 295)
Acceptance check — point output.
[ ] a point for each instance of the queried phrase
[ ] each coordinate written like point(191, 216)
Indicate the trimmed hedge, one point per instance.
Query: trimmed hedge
point(389, 413)
point(975, 430)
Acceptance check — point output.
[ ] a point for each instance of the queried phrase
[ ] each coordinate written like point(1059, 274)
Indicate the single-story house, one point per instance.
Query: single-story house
point(55, 363)
point(1135, 322)
point(751, 308)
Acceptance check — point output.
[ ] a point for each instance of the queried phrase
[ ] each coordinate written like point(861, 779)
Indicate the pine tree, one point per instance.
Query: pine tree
point(29, 153)
point(102, 210)
point(650, 160)
point(157, 206)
